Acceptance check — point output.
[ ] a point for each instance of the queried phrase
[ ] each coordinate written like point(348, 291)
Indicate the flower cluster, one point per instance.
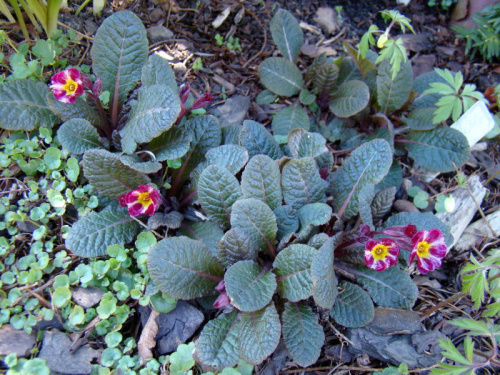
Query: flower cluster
point(427, 246)
point(144, 200)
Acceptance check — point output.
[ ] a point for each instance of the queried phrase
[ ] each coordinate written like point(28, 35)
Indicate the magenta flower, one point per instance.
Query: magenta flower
point(144, 200)
point(67, 85)
point(429, 248)
point(381, 253)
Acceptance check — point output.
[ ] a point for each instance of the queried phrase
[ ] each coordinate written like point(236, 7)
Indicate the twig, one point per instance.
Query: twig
point(145, 226)
point(75, 31)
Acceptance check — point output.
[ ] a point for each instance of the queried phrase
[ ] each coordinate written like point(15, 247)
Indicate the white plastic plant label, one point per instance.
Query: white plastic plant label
point(475, 123)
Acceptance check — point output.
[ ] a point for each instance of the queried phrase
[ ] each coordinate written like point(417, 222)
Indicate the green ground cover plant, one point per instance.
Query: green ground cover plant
point(260, 228)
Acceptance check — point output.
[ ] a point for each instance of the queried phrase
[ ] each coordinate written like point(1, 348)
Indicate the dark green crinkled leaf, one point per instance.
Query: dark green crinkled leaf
point(301, 183)
point(157, 71)
point(266, 97)
point(231, 157)
point(91, 235)
point(287, 219)
point(306, 97)
point(325, 79)
point(257, 140)
point(393, 178)
point(172, 144)
point(421, 84)
point(318, 240)
point(218, 189)
point(257, 220)
point(348, 71)
point(119, 52)
point(109, 175)
point(292, 267)
point(368, 164)
point(205, 231)
point(248, 286)
point(206, 134)
point(391, 288)
point(353, 307)
point(393, 93)
point(281, 76)
point(325, 160)
point(420, 119)
point(78, 136)
point(137, 164)
point(23, 105)
point(365, 198)
point(289, 118)
point(80, 109)
point(423, 221)
point(302, 333)
point(217, 345)
point(382, 202)
point(287, 34)
point(261, 180)
point(259, 334)
point(234, 246)
point(154, 113)
point(183, 268)
point(304, 144)
point(231, 134)
point(323, 275)
point(315, 214)
point(442, 149)
point(351, 98)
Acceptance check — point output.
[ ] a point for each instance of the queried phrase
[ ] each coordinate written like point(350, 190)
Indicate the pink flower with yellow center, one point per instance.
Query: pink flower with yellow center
point(429, 248)
point(67, 85)
point(144, 200)
point(381, 253)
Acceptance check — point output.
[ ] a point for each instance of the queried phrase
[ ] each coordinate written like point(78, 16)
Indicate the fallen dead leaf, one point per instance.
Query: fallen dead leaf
point(147, 340)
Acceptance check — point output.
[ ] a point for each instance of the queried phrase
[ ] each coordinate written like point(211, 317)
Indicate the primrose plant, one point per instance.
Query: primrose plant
point(254, 225)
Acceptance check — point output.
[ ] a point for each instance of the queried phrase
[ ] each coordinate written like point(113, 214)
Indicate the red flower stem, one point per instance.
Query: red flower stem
point(104, 120)
point(179, 178)
point(187, 198)
point(114, 107)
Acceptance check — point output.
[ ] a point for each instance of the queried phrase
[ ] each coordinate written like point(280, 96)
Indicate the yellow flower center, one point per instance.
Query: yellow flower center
point(380, 251)
point(423, 249)
point(144, 199)
point(70, 86)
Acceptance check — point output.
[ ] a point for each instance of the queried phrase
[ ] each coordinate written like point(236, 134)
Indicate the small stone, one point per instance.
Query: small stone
point(56, 348)
point(159, 34)
point(15, 341)
point(233, 111)
point(176, 327)
point(404, 206)
point(156, 14)
point(87, 297)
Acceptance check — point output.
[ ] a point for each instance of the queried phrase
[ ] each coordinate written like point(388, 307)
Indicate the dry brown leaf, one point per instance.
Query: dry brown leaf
point(147, 340)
